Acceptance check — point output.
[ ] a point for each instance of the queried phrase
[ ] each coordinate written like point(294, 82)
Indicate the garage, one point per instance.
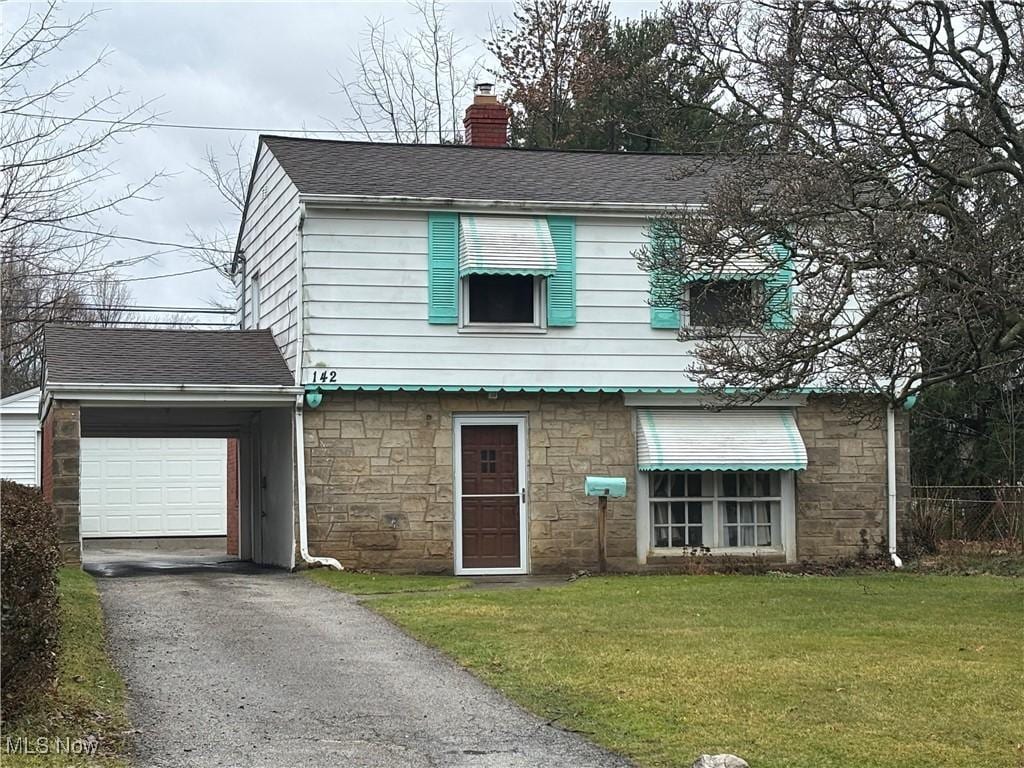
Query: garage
point(139, 487)
point(138, 429)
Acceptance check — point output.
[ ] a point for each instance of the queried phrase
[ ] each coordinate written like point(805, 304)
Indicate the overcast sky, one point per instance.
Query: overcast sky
point(264, 66)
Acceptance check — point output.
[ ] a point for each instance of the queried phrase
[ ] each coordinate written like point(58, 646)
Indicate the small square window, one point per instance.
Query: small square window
point(501, 299)
point(722, 303)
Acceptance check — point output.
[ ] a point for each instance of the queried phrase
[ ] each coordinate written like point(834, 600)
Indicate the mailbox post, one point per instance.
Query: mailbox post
point(603, 487)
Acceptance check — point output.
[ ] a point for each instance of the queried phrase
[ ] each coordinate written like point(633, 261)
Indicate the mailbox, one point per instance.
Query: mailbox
point(605, 486)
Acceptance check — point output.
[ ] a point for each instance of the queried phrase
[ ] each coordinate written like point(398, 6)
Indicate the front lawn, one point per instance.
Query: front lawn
point(362, 583)
point(88, 703)
point(873, 671)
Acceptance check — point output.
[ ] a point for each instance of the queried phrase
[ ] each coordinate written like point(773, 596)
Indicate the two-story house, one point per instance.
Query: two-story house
point(474, 337)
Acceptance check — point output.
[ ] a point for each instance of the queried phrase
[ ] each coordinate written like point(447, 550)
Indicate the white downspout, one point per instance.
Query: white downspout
point(890, 456)
point(300, 439)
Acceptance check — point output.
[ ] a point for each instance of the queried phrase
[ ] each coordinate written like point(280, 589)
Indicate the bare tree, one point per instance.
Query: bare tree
point(542, 54)
point(410, 88)
point(52, 166)
point(229, 177)
point(886, 208)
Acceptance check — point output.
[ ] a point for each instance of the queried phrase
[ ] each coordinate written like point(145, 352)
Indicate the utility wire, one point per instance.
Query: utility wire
point(200, 127)
point(170, 274)
point(130, 308)
point(133, 239)
point(149, 323)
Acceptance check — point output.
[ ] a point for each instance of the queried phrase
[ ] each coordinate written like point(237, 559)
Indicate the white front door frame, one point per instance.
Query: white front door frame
point(491, 419)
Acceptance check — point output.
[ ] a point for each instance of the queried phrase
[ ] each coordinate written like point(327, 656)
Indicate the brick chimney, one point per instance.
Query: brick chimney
point(486, 120)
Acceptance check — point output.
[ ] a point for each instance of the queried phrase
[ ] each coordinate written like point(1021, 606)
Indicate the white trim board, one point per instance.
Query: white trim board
point(487, 419)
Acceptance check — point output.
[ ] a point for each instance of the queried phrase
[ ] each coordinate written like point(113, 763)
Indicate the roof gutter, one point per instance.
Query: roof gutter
point(241, 389)
point(300, 434)
point(462, 203)
point(249, 394)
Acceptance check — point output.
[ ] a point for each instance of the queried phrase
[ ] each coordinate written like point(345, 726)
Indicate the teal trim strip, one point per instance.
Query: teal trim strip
point(780, 288)
point(651, 431)
point(561, 286)
point(443, 268)
point(496, 271)
point(512, 388)
point(796, 442)
point(767, 467)
point(664, 289)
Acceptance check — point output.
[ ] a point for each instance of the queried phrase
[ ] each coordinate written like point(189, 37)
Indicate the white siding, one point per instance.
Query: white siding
point(19, 437)
point(18, 448)
point(365, 313)
point(269, 241)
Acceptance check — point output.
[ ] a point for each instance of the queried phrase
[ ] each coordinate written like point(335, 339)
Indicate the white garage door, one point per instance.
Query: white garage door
point(154, 487)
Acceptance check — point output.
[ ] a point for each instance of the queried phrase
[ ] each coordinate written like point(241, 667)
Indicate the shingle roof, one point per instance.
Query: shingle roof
point(328, 167)
point(80, 355)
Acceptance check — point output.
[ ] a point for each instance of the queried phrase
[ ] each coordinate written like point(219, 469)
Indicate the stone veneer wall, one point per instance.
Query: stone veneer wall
point(61, 472)
point(379, 477)
point(843, 492)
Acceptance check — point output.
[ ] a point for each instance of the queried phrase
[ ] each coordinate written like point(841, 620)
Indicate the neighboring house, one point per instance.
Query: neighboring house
point(441, 343)
point(133, 487)
point(19, 437)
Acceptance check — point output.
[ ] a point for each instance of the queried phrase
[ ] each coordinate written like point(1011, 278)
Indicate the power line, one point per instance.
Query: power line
point(171, 274)
point(115, 324)
point(200, 127)
point(129, 308)
point(130, 238)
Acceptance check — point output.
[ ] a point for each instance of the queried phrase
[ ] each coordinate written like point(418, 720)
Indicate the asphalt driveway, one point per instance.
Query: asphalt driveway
point(268, 669)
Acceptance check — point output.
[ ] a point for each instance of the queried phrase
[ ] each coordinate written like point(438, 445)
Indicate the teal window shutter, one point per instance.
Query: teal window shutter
point(562, 284)
point(779, 290)
point(664, 291)
point(443, 268)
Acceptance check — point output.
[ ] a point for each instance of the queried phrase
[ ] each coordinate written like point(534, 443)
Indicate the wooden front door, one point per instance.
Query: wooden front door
point(491, 492)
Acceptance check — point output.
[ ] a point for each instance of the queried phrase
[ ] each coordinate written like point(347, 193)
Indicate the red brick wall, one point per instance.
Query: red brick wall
point(232, 544)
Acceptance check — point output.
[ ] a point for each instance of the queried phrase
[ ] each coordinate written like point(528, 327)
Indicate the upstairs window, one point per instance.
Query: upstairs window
point(506, 300)
point(723, 303)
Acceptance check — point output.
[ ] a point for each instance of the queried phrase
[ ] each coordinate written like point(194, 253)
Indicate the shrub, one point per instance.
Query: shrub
point(926, 520)
point(29, 617)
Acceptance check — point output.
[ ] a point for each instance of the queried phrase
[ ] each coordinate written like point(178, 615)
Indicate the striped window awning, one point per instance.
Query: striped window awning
point(731, 440)
point(505, 245)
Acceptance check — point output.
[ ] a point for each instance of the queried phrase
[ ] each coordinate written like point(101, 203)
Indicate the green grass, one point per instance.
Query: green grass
point(89, 698)
point(874, 671)
point(357, 583)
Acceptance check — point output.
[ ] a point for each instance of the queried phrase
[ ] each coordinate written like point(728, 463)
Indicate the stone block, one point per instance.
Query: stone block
point(414, 504)
point(376, 540)
point(440, 475)
point(393, 438)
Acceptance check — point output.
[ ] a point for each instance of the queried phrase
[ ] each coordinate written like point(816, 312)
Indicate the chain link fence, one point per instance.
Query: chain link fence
point(975, 516)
